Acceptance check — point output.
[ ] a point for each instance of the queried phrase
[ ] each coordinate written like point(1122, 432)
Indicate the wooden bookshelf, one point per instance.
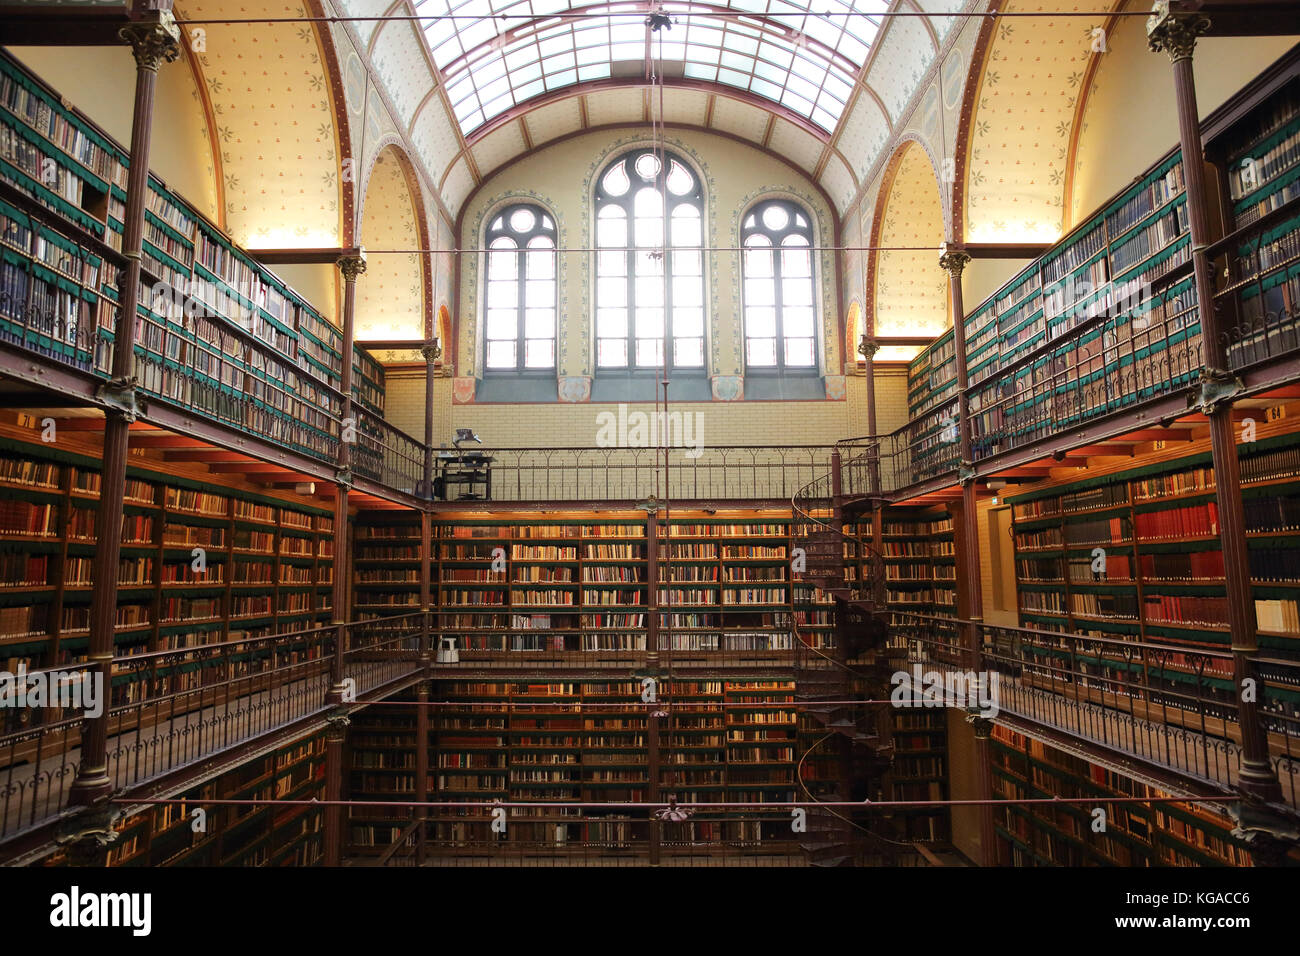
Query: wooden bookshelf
point(579, 582)
point(918, 547)
point(232, 325)
point(920, 772)
point(1108, 316)
point(267, 559)
point(1133, 552)
point(1136, 834)
point(265, 835)
point(583, 741)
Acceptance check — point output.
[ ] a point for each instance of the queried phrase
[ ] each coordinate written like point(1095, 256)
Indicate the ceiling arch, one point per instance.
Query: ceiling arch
point(394, 300)
point(279, 151)
point(1024, 121)
point(907, 292)
point(479, 82)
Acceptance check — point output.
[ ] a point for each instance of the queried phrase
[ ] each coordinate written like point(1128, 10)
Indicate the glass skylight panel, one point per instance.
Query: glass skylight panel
point(805, 62)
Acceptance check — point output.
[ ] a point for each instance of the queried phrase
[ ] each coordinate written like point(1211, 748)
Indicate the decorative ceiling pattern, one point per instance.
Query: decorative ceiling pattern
point(274, 122)
point(940, 24)
point(473, 73)
point(390, 303)
point(1023, 121)
point(903, 57)
point(911, 289)
point(492, 61)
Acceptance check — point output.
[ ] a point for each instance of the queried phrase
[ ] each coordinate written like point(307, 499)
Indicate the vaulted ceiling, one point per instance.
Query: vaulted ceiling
point(268, 95)
point(495, 78)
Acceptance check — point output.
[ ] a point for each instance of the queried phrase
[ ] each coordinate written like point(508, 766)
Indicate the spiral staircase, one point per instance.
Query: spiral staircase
point(849, 742)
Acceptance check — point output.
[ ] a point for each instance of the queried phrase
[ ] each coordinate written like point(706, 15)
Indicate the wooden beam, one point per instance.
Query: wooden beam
point(1242, 18)
point(165, 440)
point(294, 257)
point(1006, 250)
point(204, 455)
point(65, 25)
point(255, 468)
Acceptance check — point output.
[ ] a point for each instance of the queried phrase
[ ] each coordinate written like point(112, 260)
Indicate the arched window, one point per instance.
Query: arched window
point(780, 316)
point(520, 290)
point(637, 307)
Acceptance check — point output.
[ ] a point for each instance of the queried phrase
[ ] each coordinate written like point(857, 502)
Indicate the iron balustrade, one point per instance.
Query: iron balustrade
point(387, 455)
point(169, 709)
point(587, 474)
point(1170, 705)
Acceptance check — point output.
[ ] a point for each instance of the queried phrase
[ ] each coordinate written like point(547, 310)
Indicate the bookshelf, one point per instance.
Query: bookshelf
point(1132, 552)
point(216, 330)
point(1136, 834)
point(918, 547)
point(1258, 161)
point(920, 772)
point(531, 583)
point(385, 564)
point(264, 835)
point(1040, 349)
point(583, 741)
point(1107, 317)
point(267, 559)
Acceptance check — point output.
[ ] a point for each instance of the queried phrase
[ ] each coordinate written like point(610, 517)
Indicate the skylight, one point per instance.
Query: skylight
point(806, 62)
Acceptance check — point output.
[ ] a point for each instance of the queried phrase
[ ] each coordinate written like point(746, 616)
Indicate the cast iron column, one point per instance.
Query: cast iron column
point(154, 39)
point(970, 595)
point(351, 266)
point(335, 734)
point(1176, 34)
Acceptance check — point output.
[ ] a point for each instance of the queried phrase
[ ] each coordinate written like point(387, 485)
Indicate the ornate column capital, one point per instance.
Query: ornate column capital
point(352, 266)
point(431, 350)
point(1174, 32)
point(868, 347)
point(952, 260)
point(153, 41)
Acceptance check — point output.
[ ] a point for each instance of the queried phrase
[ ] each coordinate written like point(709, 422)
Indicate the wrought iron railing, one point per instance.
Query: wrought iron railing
point(1171, 705)
point(168, 709)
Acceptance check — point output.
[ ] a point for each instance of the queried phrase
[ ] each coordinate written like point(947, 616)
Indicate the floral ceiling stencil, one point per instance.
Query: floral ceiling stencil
point(1023, 121)
point(270, 98)
point(390, 304)
point(911, 289)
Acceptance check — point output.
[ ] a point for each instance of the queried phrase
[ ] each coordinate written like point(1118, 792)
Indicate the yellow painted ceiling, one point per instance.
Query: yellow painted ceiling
point(1023, 121)
point(911, 289)
point(390, 301)
point(274, 123)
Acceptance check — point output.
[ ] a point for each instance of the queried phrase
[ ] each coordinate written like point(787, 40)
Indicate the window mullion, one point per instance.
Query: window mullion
point(630, 281)
point(521, 300)
point(666, 274)
point(778, 296)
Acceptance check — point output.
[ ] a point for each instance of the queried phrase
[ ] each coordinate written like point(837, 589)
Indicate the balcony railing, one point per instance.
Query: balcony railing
point(1169, 705)
point(169, 709)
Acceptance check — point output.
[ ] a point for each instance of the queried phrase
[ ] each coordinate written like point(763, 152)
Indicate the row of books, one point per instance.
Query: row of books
point(1187, 522)
point(1092, 499)
point(1182, 609)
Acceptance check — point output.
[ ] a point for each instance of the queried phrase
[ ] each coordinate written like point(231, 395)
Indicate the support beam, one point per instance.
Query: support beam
point(297, 257)
point(352, 267)
point(154, 39)
point(1175, 33)
point(969, 594)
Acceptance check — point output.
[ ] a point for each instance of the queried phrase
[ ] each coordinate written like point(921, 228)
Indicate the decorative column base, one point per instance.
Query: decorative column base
point(1268, 835)
point(88, 834)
